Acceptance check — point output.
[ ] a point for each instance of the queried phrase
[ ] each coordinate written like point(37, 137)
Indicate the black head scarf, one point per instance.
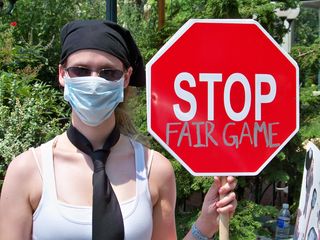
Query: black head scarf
point(105, 36)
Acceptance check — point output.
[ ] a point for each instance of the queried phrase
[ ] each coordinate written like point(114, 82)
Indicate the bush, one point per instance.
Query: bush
point(249, 221)
point(29, 115)
point(31, 112)
point(184, 221)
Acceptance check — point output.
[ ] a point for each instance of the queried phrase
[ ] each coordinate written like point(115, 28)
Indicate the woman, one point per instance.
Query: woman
point(47, 192)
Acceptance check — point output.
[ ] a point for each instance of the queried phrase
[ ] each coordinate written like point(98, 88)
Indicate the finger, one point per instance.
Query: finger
point(228, 187)
point(231, 179)
point(233, 184)
point(214, 186)
point(229, 208)
point(234, 204)
point(226, 200)
point(217, 182)
point(212, 194)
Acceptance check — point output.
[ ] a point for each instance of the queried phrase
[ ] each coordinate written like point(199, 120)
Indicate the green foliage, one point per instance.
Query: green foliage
point(41, 26)
point(308, 58)
point(310, 105)
point(307, 25)
point(18, 55)
point(143, 26)
point(137, 106)
point(251, 220)
point(183, 181)
point(223, 9)
point(31, 112)
point(184, 221)
point(28, 115)
point(202, 183)
point(264, 12)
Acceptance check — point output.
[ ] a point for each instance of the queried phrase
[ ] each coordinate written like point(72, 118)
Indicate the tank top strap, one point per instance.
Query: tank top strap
point(49, 185)
point(141, 170)
point(150, 160)
point(36, 160)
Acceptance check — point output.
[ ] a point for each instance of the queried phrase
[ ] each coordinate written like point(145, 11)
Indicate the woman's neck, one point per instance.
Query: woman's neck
point(96, 135)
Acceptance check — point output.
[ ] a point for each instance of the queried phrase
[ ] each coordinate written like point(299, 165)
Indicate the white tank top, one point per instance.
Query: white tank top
point(55, 220)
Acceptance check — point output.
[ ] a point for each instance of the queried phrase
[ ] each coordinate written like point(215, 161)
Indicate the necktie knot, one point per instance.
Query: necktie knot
point(99, 158)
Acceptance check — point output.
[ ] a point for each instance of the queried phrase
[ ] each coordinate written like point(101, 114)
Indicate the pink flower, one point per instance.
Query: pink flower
point(13, 24)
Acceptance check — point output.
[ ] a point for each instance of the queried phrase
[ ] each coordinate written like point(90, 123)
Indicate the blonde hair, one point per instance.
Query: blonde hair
point(124, 119)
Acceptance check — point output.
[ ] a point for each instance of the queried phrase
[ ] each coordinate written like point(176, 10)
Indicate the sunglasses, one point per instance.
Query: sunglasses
point(108, 74)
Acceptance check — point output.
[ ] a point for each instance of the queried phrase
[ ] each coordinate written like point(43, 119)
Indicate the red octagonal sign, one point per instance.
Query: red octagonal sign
point(222, 97)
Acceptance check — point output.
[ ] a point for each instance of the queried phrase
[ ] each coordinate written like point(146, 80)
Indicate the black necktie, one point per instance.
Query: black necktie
point(107, 221)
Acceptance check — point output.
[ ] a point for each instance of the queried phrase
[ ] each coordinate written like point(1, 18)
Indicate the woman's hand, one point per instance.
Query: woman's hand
point(208, 221)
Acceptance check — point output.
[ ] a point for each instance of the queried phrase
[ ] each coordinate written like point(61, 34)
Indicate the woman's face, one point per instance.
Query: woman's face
point(94, 60)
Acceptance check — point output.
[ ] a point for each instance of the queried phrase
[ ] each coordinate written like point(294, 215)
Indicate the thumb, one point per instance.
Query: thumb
point(213, 190)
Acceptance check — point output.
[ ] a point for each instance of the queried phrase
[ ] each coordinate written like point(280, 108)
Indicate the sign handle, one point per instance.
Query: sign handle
point(224, 218)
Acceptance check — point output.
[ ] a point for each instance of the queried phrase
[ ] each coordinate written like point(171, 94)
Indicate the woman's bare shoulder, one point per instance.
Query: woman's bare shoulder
point(161, 168)
point(16, 202)
point(22, 171)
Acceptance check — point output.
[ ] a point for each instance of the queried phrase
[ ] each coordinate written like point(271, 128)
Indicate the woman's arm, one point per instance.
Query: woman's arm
point(163, 190)
point(15, 206)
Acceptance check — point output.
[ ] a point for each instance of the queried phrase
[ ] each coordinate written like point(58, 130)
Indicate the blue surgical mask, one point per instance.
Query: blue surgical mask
point(93, 99)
